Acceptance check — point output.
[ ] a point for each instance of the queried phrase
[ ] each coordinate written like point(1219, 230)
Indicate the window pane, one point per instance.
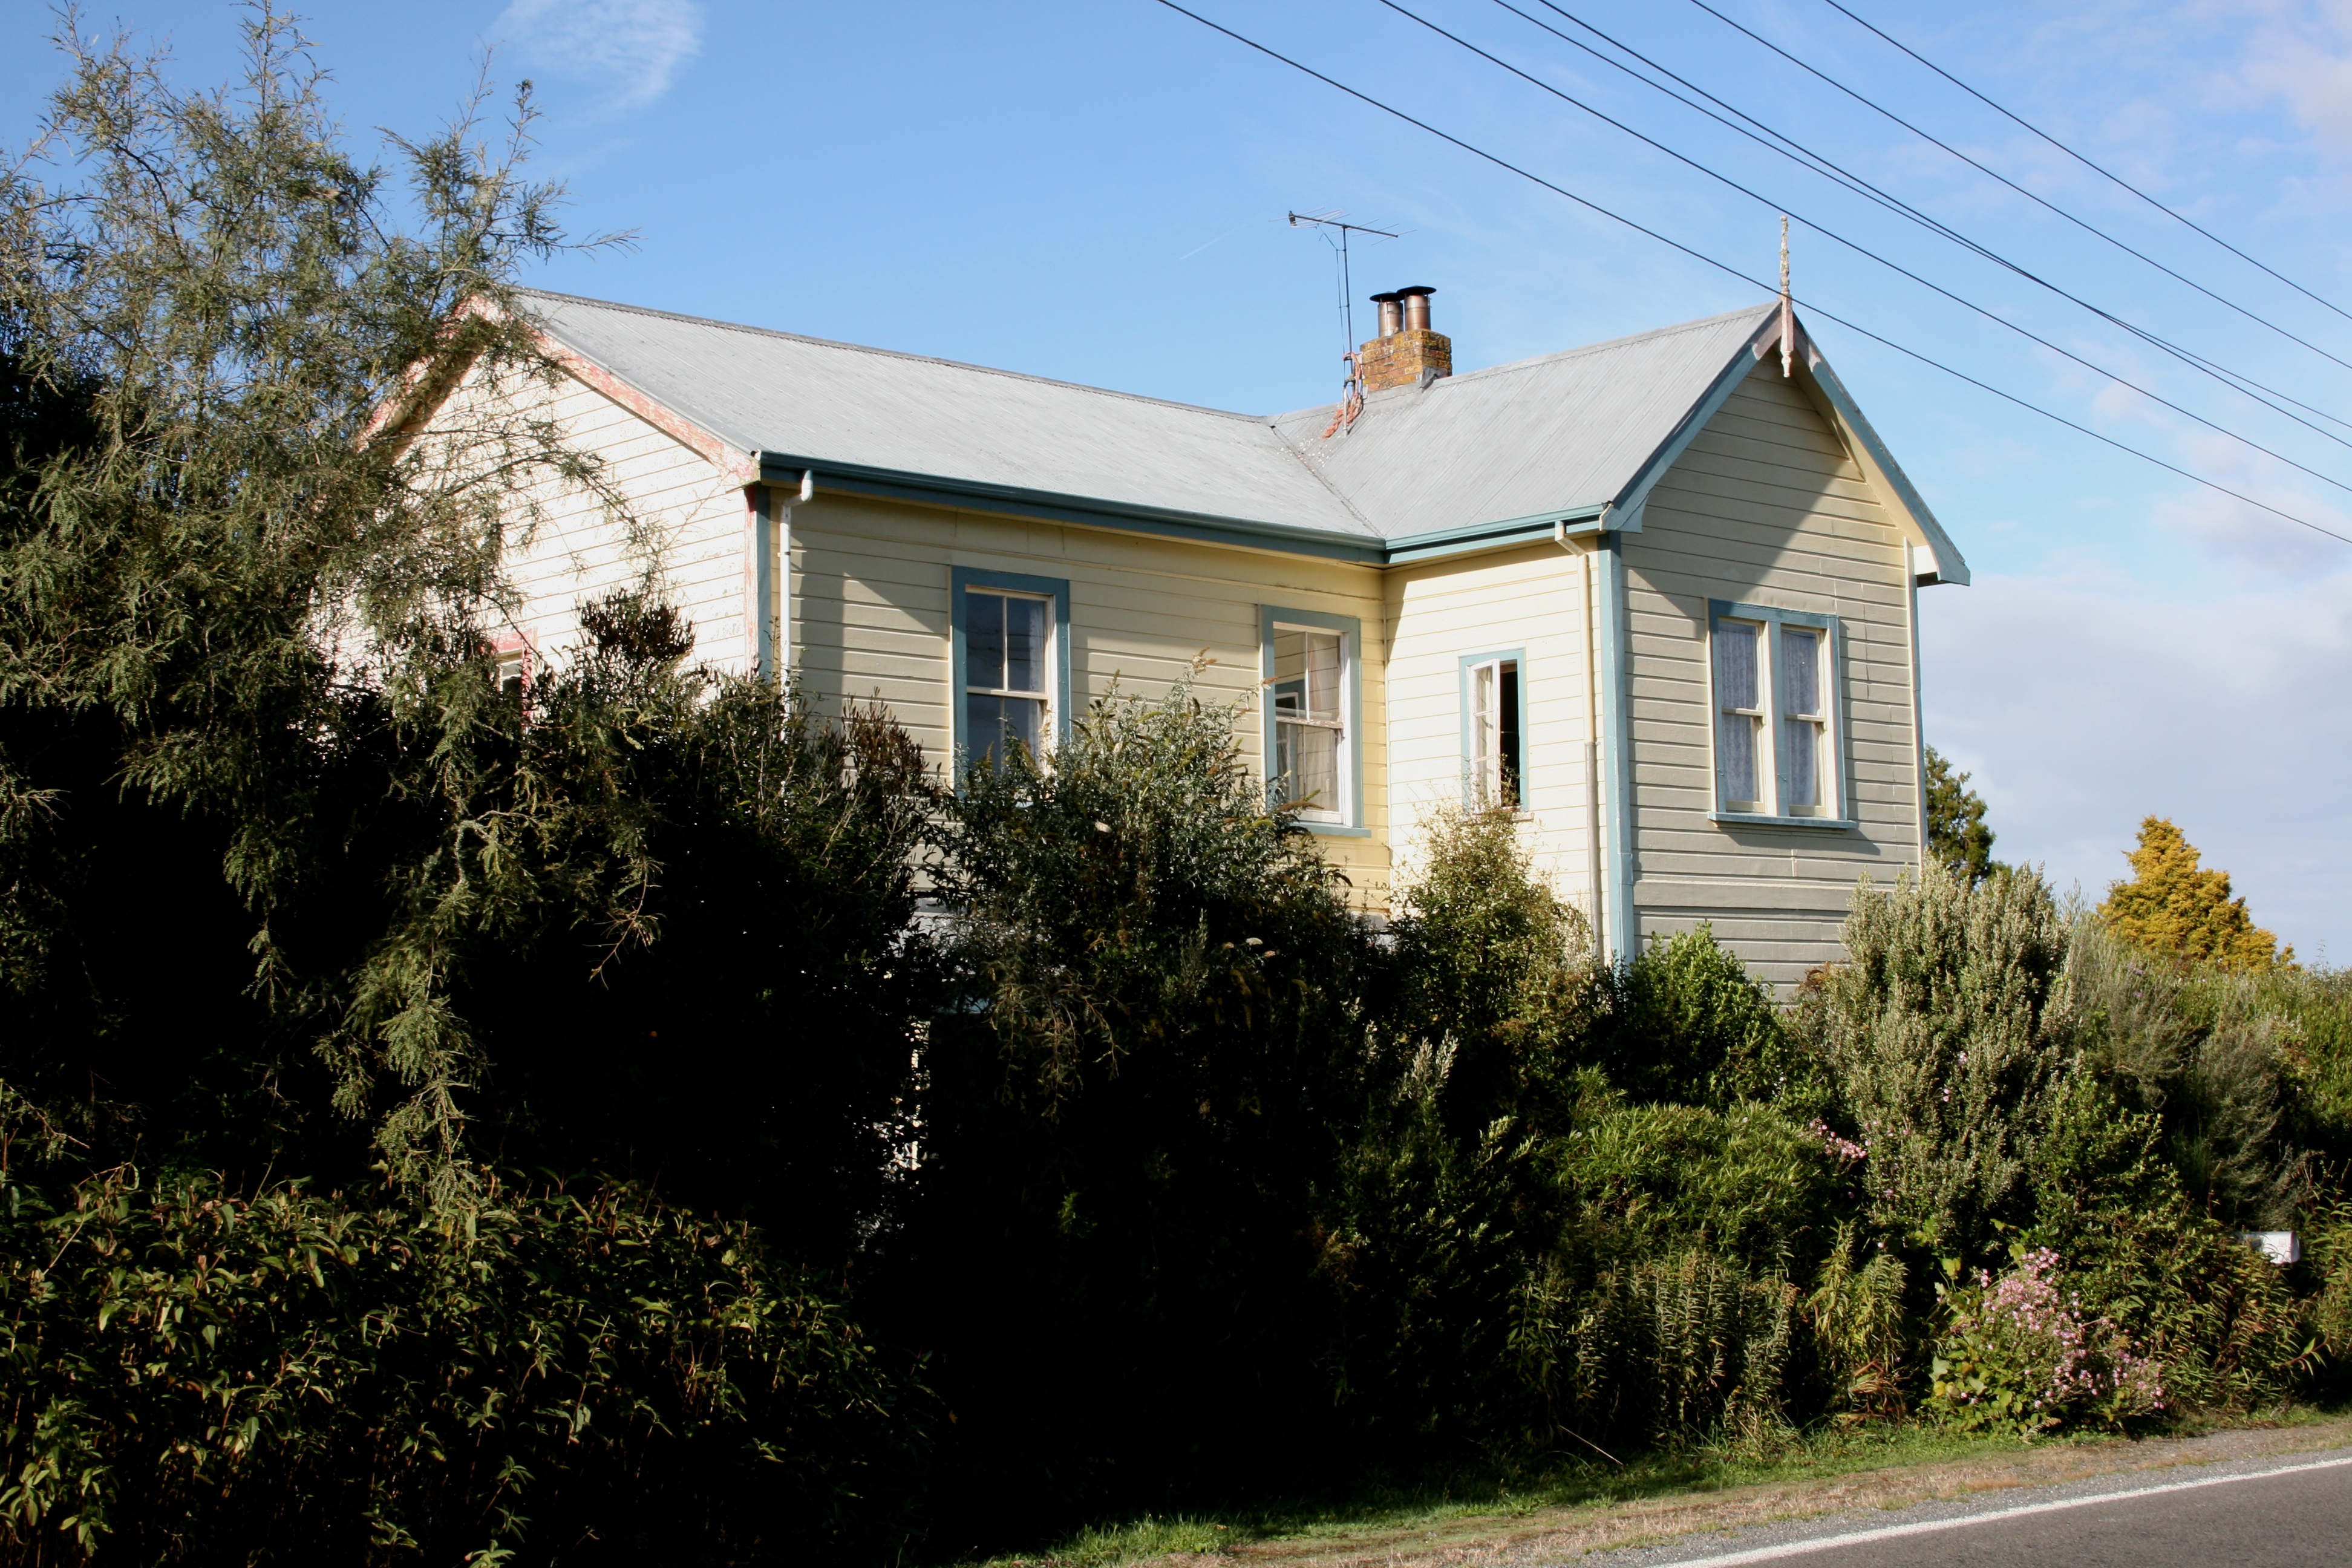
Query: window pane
point(1024, 644)
point(1735, 667)
point(994, 725)
point(1290, 670)
point(1322, 654)
point(1800, 671)
point(1802, 739)
point(1507, 732)
point(1734, 757)
point(1311, 776)
point(1482, 734)
point(984, 639)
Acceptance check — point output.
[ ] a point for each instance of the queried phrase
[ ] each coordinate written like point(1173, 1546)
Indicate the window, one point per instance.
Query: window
point(512, 651)
point(1775, 692)
point(1012, 665)
point(1494, 731)
point(1308, 663)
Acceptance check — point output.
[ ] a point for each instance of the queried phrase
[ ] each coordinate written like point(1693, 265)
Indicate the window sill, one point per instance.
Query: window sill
point(1757, 819)
point(1337, 829)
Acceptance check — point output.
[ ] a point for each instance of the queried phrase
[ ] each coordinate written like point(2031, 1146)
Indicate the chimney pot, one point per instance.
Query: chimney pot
point(1406, 352)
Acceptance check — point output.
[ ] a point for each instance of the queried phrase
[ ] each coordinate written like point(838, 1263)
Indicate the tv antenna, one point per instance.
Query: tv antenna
point(1328, 224)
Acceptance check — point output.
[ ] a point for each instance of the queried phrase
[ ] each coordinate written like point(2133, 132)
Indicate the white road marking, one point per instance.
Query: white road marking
point(1862, 1537)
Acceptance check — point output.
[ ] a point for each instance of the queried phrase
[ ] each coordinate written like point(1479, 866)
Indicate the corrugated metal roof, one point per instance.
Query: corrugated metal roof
point(1560, 433)
point(1566, 431)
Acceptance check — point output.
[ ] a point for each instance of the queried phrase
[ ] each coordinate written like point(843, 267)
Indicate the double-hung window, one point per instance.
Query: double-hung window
point(1010, 654)
point(1309, 663)
point(1494, 731)
point(1774, 696)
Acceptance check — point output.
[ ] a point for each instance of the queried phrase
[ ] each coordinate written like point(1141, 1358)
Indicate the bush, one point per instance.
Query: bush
point(2018, 1354)
point(1943, 1031)
point(1688, 1023)
point(1662, 1347)
point(196, 1376)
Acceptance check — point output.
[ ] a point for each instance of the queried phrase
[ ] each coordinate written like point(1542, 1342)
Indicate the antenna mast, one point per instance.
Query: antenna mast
point(1330, 221)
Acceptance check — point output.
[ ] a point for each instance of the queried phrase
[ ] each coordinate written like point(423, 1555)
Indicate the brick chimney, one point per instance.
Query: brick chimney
point(1406, 352)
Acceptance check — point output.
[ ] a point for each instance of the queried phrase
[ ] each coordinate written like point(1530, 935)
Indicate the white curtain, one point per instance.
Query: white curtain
point(1735, 685)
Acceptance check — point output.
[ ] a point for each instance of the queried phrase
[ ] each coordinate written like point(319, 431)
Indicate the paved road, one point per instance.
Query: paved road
point(2293, 1511)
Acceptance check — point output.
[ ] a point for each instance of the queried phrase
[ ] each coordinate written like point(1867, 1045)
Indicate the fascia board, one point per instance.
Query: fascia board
point(1013, 500)
point(1885, 475)
point(1529, 529)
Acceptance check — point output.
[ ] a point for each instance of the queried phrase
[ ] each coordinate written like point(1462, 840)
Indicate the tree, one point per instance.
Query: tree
point(1956, 834)
point(2172, 906)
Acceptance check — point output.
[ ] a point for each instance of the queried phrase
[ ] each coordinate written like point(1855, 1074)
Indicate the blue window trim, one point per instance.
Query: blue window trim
point(1773, 617)
point(1058, 590)
point(1268, 617)
point(1468, 662)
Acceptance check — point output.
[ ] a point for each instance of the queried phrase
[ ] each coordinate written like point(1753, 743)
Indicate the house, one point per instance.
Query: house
point(1658, 596)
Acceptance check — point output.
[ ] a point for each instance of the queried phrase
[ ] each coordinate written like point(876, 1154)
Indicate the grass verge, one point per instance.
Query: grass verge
point(1777, 1474)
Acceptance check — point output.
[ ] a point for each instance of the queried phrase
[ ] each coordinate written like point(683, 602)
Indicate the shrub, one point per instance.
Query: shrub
point(1942, 1032)
point(1857, 1316)
point(1688, 1023)
point(2017, 1353)
point(1649, 1181)
point(197, 1377)
point(1660, 1347)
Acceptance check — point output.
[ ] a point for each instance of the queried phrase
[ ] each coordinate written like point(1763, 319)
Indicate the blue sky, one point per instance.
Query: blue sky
point(1095, 190)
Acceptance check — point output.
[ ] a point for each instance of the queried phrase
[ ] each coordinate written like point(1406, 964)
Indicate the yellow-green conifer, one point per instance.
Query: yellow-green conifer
point(2171, 906)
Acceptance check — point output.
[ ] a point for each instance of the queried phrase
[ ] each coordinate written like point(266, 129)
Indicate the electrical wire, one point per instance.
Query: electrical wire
point(1730, 270)
point(1898, 267)
point(1988, 173)
point(2086, 162)
point(1787, 146)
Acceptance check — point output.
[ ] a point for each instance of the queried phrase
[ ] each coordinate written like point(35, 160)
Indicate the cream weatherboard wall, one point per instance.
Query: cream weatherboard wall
point(1532, 601)
point(1766, 507)
point(871, 583)
point(687, 518)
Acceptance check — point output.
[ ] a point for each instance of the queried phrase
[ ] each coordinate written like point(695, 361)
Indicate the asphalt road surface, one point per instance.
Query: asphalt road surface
point(2292, 1511)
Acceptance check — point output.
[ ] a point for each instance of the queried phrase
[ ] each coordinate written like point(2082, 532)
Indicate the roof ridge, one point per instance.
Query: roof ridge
point(890, 353)
point(1557, 355)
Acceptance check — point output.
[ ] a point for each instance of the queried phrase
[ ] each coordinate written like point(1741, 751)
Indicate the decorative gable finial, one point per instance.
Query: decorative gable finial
point(1788, 309)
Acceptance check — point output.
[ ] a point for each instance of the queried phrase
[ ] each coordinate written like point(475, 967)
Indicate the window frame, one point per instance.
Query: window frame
point(1351, 823)
point(1056, 728)
point(1771, 762)
point(1469, 664)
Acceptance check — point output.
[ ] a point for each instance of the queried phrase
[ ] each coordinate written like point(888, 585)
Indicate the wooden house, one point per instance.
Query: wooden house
point(1658, 596)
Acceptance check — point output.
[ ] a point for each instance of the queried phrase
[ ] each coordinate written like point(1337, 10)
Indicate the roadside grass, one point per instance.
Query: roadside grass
point(1502, 1495)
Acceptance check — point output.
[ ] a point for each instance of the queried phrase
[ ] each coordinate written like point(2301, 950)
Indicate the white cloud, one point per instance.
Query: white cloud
point(631, 48)
point(2302, 53)
point(2082, 705)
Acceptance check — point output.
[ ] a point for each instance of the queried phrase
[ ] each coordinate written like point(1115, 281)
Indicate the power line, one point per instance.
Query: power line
point(2078, 157)
point(1787, 146)
point(1990, 172)
point(1732, 271)
point(1898, 267)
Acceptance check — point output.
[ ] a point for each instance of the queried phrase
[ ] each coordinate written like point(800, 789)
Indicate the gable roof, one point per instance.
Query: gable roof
point(1510, 449)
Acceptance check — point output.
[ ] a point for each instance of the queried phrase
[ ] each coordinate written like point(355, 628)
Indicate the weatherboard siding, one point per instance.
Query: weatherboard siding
point(1766, 507)
point(870, 586)
point(1530, 599)
point(687, 518)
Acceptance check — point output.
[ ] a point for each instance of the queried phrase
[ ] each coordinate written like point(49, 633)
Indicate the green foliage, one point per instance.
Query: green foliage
point(192, 1376)
point(1943, 1032)
point(2172, 908)
point(1689, 1024)
point(1956, 834)
point(2017, 1353)
point(1857, 1317)
point(1651, 1180)
point(1664, 1346)
point(1157, 1023)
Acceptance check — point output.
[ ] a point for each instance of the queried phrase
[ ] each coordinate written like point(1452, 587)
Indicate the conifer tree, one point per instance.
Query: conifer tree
point(2171, 906)
point(1956, 834)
